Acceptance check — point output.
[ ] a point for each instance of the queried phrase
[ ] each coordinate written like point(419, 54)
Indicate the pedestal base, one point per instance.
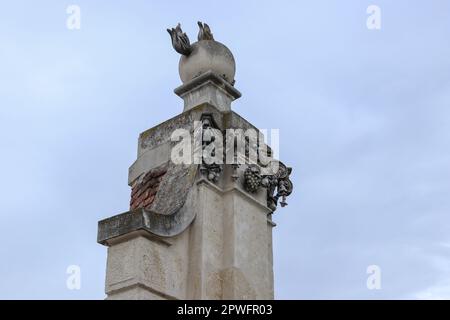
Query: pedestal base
point(208, 88)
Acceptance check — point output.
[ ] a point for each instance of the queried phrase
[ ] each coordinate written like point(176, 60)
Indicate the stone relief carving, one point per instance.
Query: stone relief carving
point(278, 185)
point(281, 183)
point(212, 171)
point(252, 178)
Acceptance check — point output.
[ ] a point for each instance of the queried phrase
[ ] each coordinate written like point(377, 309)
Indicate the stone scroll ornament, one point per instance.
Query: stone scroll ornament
point(278, 185)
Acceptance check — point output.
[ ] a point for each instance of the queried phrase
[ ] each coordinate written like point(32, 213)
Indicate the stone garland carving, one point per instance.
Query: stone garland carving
point(252, 178)
point(281, 182)
point(278, 182)
point(278, 185)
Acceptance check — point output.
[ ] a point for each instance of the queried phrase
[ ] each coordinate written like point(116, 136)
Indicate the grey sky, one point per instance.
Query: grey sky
point(364, 120)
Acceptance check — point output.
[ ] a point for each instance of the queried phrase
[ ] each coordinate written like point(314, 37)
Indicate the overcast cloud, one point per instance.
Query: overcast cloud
point(364, 120)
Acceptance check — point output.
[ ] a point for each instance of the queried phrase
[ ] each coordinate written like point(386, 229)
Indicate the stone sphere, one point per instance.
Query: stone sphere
point(207, 55)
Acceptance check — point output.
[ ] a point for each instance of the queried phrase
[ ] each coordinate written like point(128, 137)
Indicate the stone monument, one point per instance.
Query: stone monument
point(204, 187)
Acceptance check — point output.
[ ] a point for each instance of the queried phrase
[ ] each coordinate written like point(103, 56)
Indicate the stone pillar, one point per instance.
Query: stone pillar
point(195, 230)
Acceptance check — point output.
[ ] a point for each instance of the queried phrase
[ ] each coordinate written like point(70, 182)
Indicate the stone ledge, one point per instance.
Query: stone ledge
point(205, 77)
point(124, 226)
point(209, 88)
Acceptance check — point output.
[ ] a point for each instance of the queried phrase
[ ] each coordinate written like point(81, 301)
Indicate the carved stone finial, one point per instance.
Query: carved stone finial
point(204, 32)
point(180, 40)
point(205, 55)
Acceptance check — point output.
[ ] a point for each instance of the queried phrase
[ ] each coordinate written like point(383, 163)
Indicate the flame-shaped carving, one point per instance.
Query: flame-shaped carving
point(180, 40)
point(205, 32)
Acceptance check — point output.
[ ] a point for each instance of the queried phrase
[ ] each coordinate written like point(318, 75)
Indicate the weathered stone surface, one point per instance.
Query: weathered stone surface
point(122, 224)
point(174, 188)
point(225, 253)
point(207, 55)
point(208, 87)
point(140, 268)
